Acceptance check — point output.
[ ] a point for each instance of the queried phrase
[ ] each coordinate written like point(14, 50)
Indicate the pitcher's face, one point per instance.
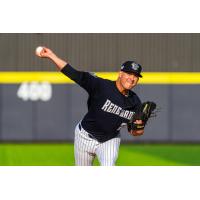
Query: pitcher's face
point(128, 80)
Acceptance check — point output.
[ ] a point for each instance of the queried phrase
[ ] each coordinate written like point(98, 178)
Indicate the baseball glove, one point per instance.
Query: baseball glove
point(145, 112)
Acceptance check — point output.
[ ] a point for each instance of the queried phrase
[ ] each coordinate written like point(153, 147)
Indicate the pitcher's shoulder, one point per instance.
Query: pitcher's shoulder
point(134, 96)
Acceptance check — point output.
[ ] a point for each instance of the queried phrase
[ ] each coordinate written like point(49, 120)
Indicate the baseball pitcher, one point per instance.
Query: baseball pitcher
point(111, 105)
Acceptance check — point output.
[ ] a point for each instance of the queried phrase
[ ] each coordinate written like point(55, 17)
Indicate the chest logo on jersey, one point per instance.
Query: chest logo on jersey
point(115, 109)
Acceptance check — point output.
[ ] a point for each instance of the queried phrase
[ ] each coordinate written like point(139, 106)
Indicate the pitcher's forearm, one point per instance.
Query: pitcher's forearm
point(58, 61)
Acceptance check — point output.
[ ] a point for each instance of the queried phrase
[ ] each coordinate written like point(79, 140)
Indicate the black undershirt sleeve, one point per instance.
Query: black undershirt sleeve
point(84, 79)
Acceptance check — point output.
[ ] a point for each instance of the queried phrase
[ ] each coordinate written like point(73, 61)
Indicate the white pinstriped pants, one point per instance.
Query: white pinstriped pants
point(86, 148)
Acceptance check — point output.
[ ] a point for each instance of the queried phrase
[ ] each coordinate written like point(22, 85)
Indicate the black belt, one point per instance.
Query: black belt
point(80, 128)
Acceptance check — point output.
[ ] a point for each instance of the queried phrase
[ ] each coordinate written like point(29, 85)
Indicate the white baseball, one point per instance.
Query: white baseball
point(38, 51)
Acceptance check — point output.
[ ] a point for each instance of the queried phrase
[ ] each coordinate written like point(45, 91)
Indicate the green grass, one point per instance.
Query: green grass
point(130, 155)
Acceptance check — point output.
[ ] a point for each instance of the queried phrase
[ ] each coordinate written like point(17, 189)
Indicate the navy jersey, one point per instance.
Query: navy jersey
point(108, 109)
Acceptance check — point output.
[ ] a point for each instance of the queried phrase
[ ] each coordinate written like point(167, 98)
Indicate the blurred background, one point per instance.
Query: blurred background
point(38, 115)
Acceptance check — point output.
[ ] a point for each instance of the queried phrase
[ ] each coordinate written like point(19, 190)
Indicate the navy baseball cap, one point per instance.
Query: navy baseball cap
point(133, 67)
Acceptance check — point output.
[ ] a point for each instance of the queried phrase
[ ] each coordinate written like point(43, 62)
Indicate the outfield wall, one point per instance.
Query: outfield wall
point(164, 52)
point(38, 107)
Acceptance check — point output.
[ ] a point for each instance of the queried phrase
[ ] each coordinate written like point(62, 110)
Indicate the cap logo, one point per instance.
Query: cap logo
point(135, 66)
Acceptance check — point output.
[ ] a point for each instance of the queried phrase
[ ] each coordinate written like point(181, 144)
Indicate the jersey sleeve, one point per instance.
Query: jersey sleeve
point(86, 80)
point(138, 105)
point(135, 102)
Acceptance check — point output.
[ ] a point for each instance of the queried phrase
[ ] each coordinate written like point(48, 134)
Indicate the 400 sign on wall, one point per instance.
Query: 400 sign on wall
point(35, 91)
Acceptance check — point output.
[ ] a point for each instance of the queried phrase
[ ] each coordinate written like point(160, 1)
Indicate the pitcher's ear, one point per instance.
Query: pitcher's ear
point(120, 74)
